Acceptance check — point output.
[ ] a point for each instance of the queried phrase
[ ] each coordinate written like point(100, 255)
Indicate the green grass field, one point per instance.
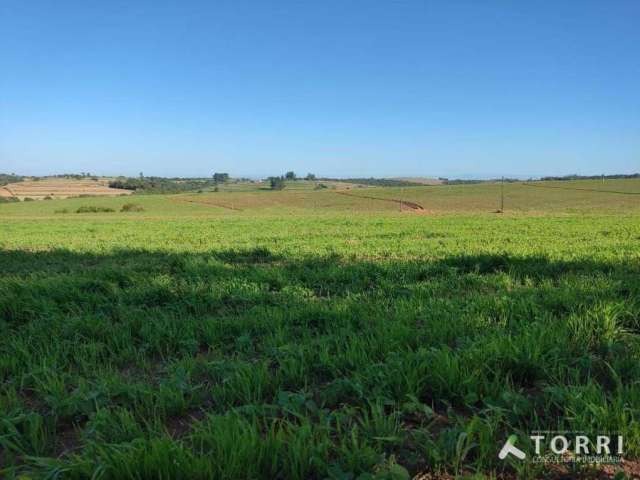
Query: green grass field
point(312, 334)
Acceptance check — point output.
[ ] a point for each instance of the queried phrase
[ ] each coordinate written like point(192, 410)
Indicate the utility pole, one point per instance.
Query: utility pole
point(502, 196)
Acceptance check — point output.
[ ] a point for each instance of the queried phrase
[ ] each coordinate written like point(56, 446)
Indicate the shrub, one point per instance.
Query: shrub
point(220, 177)
point(48, 197)
point(27, 199)
point(132, 207)
point(93, 209)
point(62, 210)
point(9, 199)
point(277, 183)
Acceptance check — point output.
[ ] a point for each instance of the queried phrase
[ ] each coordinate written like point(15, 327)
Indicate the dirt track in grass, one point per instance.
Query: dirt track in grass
point(209, 204)
point(402, 203)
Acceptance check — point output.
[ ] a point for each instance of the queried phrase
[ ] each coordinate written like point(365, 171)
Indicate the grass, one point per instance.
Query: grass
point(291, 341)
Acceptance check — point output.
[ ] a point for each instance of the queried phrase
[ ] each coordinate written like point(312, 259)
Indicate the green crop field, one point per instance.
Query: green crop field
point(305, 333)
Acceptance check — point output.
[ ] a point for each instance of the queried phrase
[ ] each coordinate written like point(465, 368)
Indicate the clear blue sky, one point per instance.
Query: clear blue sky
point(334, 87)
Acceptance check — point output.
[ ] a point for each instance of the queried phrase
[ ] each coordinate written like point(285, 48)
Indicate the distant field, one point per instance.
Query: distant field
point(306, 334)
point(301, 198)
point(522, 197)
point(59, 188)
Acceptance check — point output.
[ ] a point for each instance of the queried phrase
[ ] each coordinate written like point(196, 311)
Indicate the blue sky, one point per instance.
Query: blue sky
point(334, 87)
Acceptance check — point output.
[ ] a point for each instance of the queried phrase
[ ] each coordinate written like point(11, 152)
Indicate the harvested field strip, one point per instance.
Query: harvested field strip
point(6, 192)
point(209, 204)
point(411, 205)
point(61, 188)
point(581, 189)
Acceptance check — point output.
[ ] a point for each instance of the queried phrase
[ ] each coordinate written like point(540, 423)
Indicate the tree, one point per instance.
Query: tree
point(220, 177)
point(310, 176)
point(290, 175)
point(277, 183)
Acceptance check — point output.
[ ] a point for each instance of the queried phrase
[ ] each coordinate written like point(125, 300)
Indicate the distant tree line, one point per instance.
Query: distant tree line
point(541, 179)
point(74, 176)
point(279, 182)
point(378, 182)
point(591, 177)
point(458, 181)
point(6, 178)
point(144, 184)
